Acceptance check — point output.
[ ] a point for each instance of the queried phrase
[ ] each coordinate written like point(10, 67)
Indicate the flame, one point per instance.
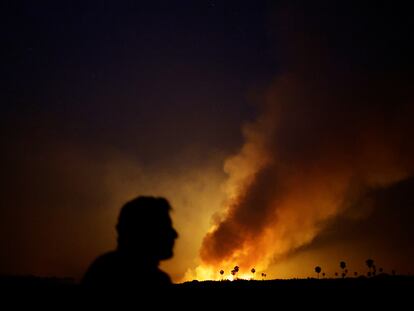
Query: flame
point(210, 273)
point(324, 138)
point(280, 197)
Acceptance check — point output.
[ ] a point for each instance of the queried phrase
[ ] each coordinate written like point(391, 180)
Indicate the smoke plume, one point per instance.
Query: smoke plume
point(328, 131)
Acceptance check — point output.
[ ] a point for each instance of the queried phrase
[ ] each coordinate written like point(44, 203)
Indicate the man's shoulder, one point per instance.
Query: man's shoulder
point(106, 259)
point(101, 267)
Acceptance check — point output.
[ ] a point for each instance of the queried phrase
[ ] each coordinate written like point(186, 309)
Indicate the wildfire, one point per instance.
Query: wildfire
point(305, 160)
point(209, 273)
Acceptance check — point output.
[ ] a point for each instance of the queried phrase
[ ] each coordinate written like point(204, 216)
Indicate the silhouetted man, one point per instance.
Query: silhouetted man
point(145, 237)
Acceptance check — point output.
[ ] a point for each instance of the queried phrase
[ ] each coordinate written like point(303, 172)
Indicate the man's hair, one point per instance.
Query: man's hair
point(142, 214)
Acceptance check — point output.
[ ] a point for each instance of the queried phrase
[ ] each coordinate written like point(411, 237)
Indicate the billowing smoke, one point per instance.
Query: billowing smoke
point(327, 133)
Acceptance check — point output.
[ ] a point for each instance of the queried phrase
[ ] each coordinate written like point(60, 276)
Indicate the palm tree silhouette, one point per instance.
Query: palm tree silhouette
point(233, 273)
point(253, 271)
point(370, 264)
point(318, 270)
point(221, 273)
point(236, 269)
point(342, 265)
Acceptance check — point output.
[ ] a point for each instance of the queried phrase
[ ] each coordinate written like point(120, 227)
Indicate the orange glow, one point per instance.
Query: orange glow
point(276, 200)
point(208, 273)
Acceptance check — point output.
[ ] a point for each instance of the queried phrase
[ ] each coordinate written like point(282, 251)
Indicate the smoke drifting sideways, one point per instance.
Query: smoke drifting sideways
point(328, 132)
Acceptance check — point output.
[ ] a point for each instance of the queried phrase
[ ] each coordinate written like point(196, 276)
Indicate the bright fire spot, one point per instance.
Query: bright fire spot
point(207, 273)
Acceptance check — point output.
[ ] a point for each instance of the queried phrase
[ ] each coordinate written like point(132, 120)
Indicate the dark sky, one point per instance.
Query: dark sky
point(103, 100)
point(100, 71)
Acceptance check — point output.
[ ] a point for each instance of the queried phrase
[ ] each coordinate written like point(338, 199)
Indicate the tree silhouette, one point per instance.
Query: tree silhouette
point(263, 275)
point(355, 273)
point(342, 265)
point(336, 273)
point(253, 271)
point(318, 270)
point(374, 270)
point(221, 273)
point(236, 269)
point(233, 273)
point(323, 274)
point(370, 264)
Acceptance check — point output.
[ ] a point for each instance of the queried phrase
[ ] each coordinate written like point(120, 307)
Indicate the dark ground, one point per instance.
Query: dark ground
point(379, 291)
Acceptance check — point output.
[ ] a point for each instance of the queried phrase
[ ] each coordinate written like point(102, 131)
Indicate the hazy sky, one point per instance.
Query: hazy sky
point(106, 100)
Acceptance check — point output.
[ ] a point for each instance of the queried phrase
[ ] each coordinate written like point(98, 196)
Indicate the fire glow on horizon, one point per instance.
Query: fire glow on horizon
point(305, 161)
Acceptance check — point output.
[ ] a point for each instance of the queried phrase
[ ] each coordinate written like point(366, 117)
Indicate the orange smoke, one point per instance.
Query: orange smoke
point(280, 199)
point(325, 136)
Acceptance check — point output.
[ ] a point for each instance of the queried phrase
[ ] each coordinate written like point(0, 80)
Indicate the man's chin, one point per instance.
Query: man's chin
point(166, 256)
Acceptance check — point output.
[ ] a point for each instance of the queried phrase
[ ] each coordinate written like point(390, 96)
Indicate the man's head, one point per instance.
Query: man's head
point(145, 228)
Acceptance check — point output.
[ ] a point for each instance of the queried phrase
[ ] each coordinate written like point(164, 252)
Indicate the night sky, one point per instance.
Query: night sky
point(247, 115)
